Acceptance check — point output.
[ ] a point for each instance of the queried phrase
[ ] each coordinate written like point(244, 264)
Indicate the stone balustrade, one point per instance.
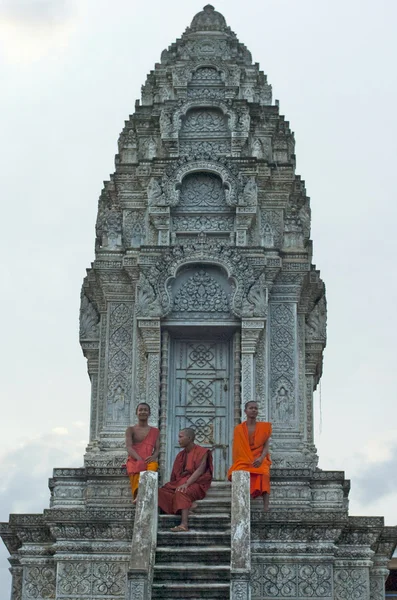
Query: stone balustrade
point(144, 539)
point(240, 558)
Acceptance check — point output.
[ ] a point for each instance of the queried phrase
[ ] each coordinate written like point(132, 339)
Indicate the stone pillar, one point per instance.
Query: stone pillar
point(151, 333)
point(240, 558)
point(115, 374)
point(250, 333)
point(237, 377)
point(165, 342)
point(16, 586)
point(144, 539)
point(377, 578)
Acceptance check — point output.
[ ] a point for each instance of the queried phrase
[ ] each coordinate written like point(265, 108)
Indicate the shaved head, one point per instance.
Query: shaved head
point(143, 404)
point(190, 433)
point(249, 402)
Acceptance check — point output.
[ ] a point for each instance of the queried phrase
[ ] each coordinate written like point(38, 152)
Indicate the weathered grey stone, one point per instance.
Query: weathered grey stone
point(202, 296)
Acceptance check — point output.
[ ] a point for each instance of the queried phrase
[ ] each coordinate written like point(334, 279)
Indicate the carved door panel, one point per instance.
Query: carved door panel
point(200, 398)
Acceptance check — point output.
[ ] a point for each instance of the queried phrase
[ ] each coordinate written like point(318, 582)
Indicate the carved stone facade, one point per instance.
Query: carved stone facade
point(203, 282)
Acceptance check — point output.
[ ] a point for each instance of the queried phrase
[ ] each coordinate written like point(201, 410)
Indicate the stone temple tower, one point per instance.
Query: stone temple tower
point(202, 296)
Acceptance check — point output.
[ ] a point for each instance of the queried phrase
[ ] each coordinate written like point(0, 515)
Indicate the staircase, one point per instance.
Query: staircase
point(196, 564)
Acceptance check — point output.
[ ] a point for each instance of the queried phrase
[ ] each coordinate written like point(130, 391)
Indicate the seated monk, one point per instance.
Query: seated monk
point(251, 453)
point(143, 446)
point(190, 479)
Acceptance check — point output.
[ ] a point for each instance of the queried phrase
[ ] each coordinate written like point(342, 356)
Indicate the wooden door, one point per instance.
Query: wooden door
point(200, 397)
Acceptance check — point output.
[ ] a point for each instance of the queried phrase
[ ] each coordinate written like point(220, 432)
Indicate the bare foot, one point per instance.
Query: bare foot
point(135, 500)
point(180, 528)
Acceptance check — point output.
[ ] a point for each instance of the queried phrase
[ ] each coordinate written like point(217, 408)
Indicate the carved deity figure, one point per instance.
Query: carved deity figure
point(155, 193)
point(257, 148)
point(316, 321)
point(151, 149)
point(147, 301)
point(166, 122)
point(89, 319)
point(284, 405)
point(250, 193)
point(117, 404)
point(113, 228)
point(243, 121)
point(268, 236)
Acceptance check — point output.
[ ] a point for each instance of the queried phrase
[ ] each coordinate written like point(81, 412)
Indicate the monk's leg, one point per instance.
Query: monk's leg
point(265, 497)
point(166, 500)
point(134, 481)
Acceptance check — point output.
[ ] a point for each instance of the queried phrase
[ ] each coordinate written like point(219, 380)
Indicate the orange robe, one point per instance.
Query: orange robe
point(186, 463)
point(145, 448)
point(246, 449)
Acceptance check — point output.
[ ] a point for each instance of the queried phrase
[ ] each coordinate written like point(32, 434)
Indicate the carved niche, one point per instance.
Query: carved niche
point(204, 131)
point(201, 291)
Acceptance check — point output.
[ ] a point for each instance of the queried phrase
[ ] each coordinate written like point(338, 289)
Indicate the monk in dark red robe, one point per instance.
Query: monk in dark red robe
point(190, 479)
point(251, 453)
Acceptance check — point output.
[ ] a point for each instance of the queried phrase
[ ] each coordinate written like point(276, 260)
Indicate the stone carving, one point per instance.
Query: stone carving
point(147, 299)
point(242, 121)
point(134, 228)
point(207, 74)
point(217, 166)
point(201, 293)
point(110, 226)
point(282, 360)
point(119, 363)
point(250, 193)
point(205, 93)
point(293, 237)
point(315, 581)
point(204, 121)
point(202, 223)
point(148, 148)
point(289, 580)
point(89, 319)
point(316, 321)
point(255, 304)
point(167, 126)
point(351, 584)
point(39, 582)
point(284, 407)
point(155, 193)
point(202, 190)
point(204, 148)
point(89, 579)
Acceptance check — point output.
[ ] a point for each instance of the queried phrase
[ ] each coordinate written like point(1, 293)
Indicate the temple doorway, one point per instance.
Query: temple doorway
point(201, 394)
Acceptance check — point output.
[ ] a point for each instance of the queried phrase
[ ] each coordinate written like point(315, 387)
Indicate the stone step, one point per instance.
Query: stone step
point(193, 538)
point(191, 591)
point(207, 555)
point(191, 572)
point(213, 505)
point(198, 522)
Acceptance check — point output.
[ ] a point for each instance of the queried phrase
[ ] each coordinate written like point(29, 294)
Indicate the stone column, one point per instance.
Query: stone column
point(240, 558)
point(250, 333)
point(165, 341)
point(150, 331)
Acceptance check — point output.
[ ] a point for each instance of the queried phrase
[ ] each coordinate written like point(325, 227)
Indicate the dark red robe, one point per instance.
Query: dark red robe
point(186, 463)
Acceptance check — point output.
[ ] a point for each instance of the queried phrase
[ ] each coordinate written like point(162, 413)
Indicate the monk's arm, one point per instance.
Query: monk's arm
point(156, 452)
point(194, 476)
point(129, 443)
point(258, 461)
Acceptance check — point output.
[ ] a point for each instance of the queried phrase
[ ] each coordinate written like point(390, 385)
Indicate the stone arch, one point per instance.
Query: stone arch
point(172, 184)
point(201, 68)
point(203, 191)
point(201, 290)
point(155, 285)
point(181, 111)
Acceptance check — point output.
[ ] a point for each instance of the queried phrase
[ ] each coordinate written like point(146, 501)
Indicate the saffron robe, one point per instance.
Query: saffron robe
point(246, 449)
point(172, 501)
point(145, 448)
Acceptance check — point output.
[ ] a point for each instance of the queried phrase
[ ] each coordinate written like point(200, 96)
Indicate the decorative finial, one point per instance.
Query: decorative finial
point(209, 8)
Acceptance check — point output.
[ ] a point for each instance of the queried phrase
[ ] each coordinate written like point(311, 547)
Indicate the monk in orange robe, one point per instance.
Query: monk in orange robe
point(143, 447)
point(190, 479)
point(251, 453)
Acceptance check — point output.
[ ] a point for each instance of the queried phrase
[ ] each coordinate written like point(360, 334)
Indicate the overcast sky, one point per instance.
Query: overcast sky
point(70, 73)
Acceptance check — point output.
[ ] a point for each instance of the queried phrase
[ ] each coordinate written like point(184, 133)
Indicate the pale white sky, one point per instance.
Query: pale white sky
point(71, 71)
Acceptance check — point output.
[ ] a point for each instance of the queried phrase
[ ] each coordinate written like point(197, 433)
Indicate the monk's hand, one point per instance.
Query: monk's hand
point(182, 488)
point(257, 462)
point(149, 459)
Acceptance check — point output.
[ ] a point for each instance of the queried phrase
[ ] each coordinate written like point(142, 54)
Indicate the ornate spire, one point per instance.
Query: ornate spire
point(208, 20)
